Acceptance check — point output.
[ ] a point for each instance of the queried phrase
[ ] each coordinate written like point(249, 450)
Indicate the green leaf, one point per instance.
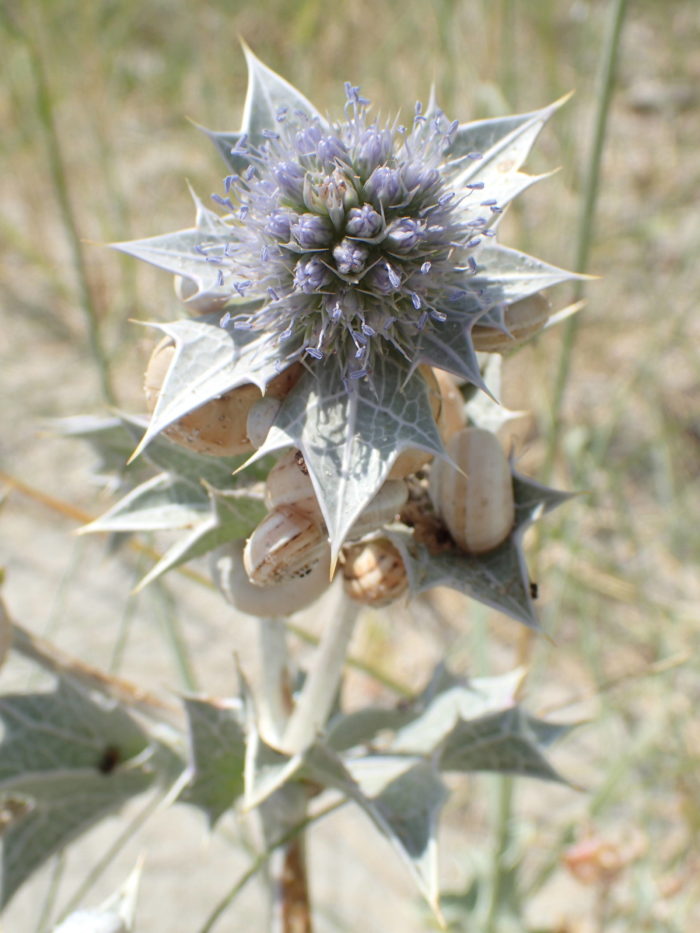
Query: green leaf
point(217, 756)
point(269, 94)
point(449, 346)
point(231, 515)
point(360, 728)
point(504, 144)
point(160, 503)
point(111, 439)
point(197, 254)
point(209, 361)
point(67, 758)
point(350, 439)
point(445, 704)
point(226, 143)
point(484, 135)
point(404, 797)
point(504, 742)
point(498, 578)
point(507, 275)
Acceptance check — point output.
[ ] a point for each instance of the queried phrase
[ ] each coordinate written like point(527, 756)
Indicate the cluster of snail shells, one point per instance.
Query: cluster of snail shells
point(218, 428)
point(473, 494)
point(523, 319)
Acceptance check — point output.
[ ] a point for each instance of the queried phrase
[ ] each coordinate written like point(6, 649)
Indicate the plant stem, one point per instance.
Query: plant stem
point(321, 686)
point(56, 161)
point(586, 222)
point(501, 869)
point(273, 701)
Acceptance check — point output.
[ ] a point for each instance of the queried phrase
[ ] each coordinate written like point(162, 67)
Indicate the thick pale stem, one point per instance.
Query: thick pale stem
point(274, 694)
point(321, 687)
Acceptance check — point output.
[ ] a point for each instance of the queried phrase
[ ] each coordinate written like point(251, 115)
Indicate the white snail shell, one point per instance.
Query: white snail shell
point(219, 427)
point(523, 320)
point(204, 303)
point(286, 545)
point(289, 483)
point(382, 509)
point(477, 505)
point(374, 573)
point(452, 417)
point(279, 599)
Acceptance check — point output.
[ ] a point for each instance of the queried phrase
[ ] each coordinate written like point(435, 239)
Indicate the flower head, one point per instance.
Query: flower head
point(360, 233)
point(362, 248)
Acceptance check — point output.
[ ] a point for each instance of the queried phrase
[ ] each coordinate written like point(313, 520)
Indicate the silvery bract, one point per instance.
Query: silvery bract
point(361, 247)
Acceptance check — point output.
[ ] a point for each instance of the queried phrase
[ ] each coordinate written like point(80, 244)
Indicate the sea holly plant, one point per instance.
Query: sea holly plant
point(325, 408)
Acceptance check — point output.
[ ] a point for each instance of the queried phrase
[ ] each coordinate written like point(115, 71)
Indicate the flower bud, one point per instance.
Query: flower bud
point(312, 231)
point(279, 224)
point(350, 256)
point(290, 180)
point(373, 149)
point(364, 222)
point(383, 187)
point(310, 275)
point(403, 235)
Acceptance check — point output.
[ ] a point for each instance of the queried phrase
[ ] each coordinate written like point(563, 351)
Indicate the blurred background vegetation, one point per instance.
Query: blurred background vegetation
point(97, 146)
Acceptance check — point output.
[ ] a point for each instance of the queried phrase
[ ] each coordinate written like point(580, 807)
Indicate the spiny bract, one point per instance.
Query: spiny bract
point(363, 248)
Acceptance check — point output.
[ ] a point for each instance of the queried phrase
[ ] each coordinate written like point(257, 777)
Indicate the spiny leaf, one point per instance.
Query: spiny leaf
point(504, 143)
point(193, 253)
point(269, 96)
point(350, 439)
point(162, 502)
point(67, 758)
point(217, 756)
point(448, 346)
point(231, 515)
point(507, 275)
point(498, 578)
point(209, 361)
point(443, 705)
point(504, 742)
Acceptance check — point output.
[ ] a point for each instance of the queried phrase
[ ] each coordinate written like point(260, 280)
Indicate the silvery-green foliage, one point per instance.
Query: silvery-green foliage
point(68, 758)
point(362, 248)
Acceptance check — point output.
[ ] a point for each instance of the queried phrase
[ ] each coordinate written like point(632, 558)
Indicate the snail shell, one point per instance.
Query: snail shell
point(219, 427)
point(286, 545)
point(279, 599)
point(452, 417)
point(374, 573)
point(289, 483)
point(523, 319)
point(411, 460)
point(477, 505)
point(204, 303)
point(382, 509)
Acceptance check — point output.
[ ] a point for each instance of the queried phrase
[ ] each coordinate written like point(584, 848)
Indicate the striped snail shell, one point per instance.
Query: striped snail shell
point(523, 319)
point(271, 601)
point(477, 504)
point(286, 545)
point(374, 573)
point(289, 483)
